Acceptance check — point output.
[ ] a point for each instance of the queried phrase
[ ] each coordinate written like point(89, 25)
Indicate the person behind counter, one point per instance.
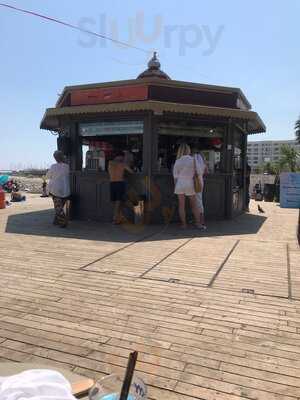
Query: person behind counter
point(201, 170)
point(116, 170)
point(59, 187)
point(248, 175)
point(184, 172)
point(128, 158)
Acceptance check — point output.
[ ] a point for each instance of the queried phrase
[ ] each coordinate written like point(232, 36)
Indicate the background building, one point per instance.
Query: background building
point(261, 152)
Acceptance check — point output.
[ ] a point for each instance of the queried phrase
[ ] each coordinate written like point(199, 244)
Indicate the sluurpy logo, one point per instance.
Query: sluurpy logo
point(180, 37)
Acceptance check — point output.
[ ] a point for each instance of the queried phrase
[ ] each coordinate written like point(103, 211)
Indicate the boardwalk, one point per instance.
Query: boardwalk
point(213, 316)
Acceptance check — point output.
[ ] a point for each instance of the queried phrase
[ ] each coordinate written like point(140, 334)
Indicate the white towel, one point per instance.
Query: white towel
point(35, 384)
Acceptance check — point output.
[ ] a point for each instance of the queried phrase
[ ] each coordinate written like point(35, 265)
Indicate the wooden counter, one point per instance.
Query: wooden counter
point(91, 195)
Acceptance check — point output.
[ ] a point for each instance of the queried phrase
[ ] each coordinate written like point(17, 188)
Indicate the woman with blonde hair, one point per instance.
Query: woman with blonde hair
point(184, 172)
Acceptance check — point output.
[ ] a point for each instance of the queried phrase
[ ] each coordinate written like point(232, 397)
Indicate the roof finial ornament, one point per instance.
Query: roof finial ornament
point(153, 70)
point(154, 62)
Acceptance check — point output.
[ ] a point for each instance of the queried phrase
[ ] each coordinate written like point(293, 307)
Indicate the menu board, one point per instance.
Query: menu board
point(111, 128)
point(290, 190)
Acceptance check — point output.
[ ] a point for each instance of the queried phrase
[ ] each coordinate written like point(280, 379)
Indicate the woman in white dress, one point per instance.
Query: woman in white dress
point(184, 172)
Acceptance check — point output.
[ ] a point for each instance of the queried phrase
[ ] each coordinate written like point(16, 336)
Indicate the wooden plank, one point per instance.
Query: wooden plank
point(194, 342)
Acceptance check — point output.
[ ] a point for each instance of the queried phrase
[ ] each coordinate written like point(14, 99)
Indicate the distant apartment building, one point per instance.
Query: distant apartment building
point(261, 152)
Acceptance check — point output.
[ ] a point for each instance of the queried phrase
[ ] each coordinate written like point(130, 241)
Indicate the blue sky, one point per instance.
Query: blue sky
point(252, 45)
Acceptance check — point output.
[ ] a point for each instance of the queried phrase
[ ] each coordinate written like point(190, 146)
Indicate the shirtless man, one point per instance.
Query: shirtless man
point(116, 170)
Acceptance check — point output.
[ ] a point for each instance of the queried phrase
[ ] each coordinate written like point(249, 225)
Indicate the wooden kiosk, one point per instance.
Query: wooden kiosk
point(148, 118)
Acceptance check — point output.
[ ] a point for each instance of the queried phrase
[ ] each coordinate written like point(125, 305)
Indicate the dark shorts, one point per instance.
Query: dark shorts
point(117, 191)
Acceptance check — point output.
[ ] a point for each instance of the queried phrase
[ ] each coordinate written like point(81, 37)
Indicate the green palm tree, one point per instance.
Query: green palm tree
point(288, 158)
point(270, 168)
point(297, 130)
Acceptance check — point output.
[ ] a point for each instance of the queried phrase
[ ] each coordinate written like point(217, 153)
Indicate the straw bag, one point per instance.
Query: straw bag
point(196, 179)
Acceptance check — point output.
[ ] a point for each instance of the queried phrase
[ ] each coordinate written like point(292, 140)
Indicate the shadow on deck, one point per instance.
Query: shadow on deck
point(39, 223)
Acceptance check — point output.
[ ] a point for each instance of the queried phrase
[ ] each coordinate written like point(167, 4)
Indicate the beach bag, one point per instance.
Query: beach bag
point(196, 179)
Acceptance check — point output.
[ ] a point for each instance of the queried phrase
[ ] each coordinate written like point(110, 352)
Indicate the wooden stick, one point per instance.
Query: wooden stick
point(128, 375)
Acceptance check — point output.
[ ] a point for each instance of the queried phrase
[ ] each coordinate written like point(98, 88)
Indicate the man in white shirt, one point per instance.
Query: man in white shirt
point(59, 187)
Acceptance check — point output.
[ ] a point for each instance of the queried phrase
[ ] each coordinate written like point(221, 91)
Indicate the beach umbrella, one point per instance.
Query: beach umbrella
point(4, 179)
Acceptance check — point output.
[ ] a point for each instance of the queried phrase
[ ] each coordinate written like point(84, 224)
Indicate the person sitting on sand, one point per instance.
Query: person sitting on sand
point(16, 196)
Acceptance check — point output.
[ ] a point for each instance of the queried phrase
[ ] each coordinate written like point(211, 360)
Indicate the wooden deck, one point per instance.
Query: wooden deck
point(214, 315)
